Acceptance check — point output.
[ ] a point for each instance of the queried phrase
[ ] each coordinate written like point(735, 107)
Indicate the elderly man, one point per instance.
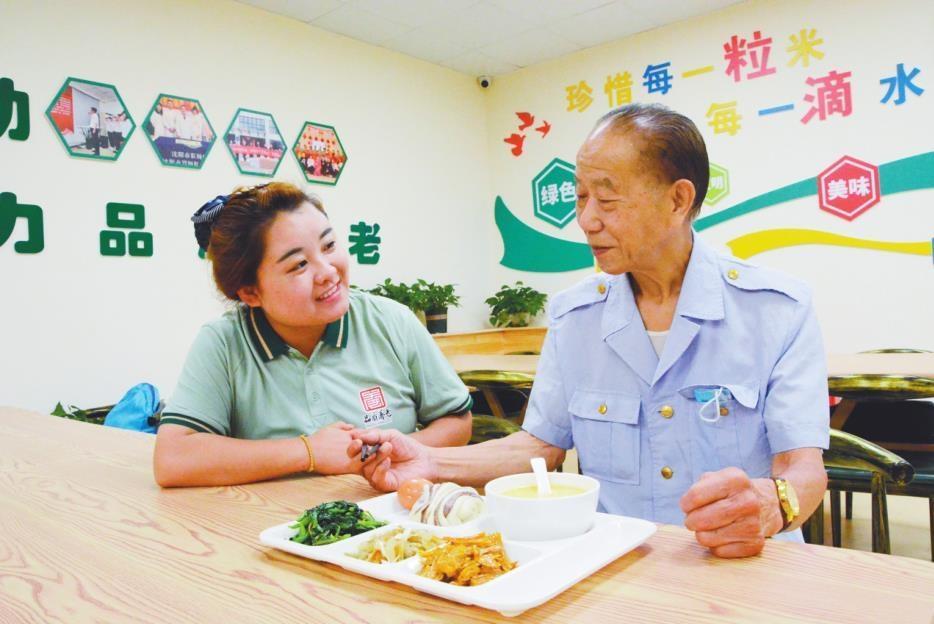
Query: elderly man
point(692, 385)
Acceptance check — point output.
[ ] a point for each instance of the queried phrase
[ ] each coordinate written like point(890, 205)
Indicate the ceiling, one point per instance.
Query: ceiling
point(488, 37)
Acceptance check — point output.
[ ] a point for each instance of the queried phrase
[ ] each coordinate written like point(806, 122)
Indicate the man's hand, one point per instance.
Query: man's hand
point(732, 514)
point(328, 444)
point(399, 458)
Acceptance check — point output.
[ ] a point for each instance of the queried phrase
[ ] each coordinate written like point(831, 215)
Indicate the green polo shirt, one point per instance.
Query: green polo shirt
point(375, 367)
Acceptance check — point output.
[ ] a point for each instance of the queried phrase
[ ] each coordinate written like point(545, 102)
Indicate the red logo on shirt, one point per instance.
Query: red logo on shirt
point(372, 399)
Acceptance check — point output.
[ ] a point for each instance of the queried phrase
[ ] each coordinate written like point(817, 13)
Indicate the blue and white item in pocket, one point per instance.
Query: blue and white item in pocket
point(711, 397)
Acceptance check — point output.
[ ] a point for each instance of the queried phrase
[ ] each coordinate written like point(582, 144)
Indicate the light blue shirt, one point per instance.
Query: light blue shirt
point(600, 387)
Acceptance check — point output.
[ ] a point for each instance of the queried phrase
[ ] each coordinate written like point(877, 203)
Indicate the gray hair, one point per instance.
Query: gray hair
point(674, 143)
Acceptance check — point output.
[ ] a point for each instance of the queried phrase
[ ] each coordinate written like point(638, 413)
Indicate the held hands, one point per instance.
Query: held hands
point(329, 446)
point(399, 458)
point(732, 514)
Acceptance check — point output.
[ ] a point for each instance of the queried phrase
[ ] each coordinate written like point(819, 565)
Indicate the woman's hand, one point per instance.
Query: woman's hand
point(399, 458)
point(329, 445)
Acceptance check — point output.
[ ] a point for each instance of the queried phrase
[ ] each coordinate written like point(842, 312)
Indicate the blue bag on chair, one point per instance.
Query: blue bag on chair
point(135, 409)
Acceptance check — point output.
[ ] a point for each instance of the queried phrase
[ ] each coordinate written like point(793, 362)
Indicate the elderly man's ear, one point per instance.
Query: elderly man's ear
point(682, 194)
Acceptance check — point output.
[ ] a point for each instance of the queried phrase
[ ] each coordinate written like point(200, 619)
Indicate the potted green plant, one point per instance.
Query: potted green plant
point(409, 296)
point(515, 306)
point(435, 299)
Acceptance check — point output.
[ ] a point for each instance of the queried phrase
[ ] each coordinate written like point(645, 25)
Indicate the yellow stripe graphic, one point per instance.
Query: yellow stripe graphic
point(697, 72)
point(754, 243)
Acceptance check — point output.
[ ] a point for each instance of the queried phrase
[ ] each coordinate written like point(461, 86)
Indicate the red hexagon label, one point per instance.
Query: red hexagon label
point(848, 188)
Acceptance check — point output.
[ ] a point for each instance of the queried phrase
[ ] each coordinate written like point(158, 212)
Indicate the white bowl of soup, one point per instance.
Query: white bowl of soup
point(520, 514)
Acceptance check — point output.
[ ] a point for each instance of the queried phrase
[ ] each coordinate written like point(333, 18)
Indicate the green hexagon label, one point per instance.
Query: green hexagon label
point(320, 153)
point(179, 131)
point(254, 142)
point(90, 119)
point(719, 186)
point(554, 193)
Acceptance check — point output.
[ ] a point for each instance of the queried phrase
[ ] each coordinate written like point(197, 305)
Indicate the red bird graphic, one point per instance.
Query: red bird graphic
point(516, 140)
point(527, 120)
point(544, 128)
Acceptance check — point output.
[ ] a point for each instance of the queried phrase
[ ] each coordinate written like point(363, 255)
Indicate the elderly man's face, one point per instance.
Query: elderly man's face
point(626, 210)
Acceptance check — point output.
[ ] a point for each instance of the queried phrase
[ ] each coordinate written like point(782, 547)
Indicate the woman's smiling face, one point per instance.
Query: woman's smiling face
point(302, 280)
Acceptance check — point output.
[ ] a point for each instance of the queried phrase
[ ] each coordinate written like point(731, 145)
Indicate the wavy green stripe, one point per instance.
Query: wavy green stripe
point(906, 174)
point(527, 249)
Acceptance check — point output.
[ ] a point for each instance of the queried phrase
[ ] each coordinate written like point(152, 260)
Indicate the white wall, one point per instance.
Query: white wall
point(865, 299)
point(426, 161)
point(82, 328)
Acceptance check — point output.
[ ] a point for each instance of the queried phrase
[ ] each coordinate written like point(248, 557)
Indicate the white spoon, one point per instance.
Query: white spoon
point(541, 476)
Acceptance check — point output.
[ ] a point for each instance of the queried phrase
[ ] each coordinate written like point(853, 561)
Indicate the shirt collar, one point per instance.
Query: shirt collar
point(270, 345)
point(702, 290)
point(701, 294)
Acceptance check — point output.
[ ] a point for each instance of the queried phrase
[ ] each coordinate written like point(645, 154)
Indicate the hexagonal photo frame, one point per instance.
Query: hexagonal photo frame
point(90, 119)
point(554, 193)
point(320, 153)
point(179, 131)
point(255, 143)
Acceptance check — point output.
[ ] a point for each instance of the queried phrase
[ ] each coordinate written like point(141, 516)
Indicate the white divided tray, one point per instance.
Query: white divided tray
point(544, 570)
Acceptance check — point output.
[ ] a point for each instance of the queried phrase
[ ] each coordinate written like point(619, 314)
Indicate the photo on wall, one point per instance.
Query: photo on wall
point(320, 153)
point(255, 143)
point(91, 119)
point(179, 131)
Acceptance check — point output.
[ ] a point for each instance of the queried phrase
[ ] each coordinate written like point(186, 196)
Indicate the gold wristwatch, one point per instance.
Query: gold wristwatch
point(788, 501)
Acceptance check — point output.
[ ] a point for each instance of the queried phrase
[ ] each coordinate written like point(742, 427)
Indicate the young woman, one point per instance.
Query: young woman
point(275, 386)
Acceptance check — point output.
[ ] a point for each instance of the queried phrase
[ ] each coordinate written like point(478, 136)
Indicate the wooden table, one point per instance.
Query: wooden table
point(86, 535)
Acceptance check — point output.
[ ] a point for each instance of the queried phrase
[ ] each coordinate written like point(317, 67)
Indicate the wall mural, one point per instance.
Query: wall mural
point(91, 121)
point(847, 188)
point(526, 249)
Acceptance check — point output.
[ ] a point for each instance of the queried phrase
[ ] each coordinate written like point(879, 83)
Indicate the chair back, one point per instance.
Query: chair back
point(850, 452)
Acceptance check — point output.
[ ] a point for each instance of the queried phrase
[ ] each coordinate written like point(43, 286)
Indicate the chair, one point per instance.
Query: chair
point(879, 408)
point(857, 465)
point(922, 485)
point(487, 428)
point(492, 384)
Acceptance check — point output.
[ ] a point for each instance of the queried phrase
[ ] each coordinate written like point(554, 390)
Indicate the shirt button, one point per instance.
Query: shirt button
point(667, 411)
point(668, 472)
point(724, 411)
point(732, 274)
point(601, 288)
point(602, 409)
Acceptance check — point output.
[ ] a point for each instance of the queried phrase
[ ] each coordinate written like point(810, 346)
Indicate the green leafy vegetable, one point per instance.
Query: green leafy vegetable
point(331, 522)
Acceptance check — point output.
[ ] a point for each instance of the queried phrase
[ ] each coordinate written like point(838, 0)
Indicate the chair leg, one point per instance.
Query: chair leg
point(931, 523)
point(849, 505)
point(836, 531)
point(814, 526)
point(880, 516)
point(493, 401)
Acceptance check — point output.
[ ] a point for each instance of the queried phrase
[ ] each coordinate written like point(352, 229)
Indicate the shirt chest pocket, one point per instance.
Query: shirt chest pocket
point(605, 426)
point(726, 424)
